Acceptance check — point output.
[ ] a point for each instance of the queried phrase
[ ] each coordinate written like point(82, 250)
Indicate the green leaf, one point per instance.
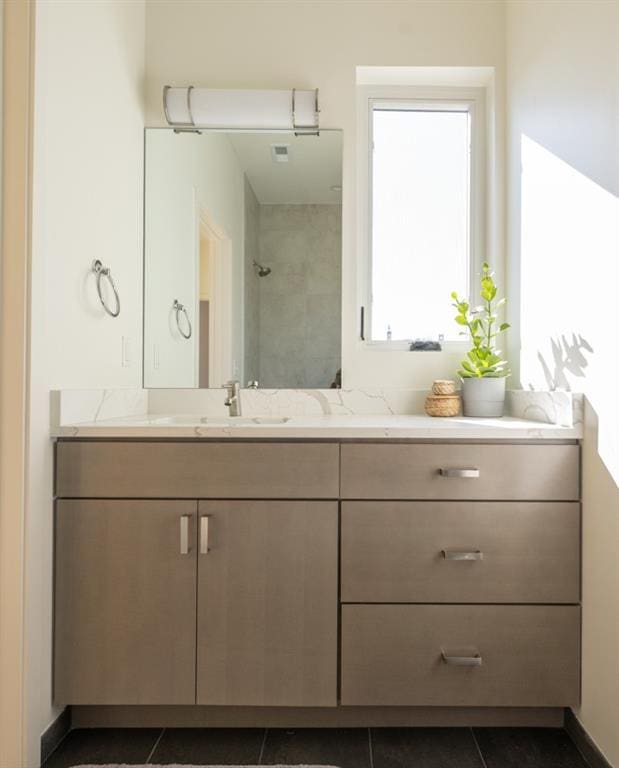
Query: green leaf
point(467, 366)
point(482, 322)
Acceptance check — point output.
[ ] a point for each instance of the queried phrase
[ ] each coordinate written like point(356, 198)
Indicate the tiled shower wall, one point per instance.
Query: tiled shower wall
point(300, 301)
point(251, 340)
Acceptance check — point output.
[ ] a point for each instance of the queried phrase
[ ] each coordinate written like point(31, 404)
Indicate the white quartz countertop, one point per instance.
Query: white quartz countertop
point(317, 427)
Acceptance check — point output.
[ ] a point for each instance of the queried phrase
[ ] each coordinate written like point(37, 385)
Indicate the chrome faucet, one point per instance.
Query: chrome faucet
point(233, 398)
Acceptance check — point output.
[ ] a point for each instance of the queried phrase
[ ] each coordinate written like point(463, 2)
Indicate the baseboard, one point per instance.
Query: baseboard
point(311, 717)
point(55, 733)
point(584, 743)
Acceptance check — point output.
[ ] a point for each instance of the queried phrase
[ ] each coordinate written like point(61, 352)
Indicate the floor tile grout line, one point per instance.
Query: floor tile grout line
point(479, 752)
point(371, 748)
point(264, 741)
point(155, 745)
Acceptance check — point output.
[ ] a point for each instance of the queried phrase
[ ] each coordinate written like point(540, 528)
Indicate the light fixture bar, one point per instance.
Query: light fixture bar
point(192, 109)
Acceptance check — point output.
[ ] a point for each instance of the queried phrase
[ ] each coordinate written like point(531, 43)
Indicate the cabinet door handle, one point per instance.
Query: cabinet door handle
point(455, 659)
point(453, 554)
point(466, 473)
point(184, 534)
point(204, 523)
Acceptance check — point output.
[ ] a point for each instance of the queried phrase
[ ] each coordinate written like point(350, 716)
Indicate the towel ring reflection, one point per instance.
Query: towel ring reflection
point(101, 271)
point(178, 308)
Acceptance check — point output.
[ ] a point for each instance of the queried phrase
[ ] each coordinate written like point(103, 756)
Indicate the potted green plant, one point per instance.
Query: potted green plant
point(483, 371)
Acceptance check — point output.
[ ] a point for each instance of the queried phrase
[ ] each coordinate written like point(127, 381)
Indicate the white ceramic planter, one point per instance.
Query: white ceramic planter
point(483, 398)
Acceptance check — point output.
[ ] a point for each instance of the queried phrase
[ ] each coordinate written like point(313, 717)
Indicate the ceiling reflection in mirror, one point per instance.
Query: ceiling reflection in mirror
point(242, 265)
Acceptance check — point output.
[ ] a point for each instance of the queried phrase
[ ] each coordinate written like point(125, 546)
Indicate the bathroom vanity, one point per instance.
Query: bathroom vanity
point(320, 556)
point(306, 581)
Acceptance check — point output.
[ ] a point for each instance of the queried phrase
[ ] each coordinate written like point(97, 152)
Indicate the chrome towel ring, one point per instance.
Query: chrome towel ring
point(101, 271)
point(178, 308)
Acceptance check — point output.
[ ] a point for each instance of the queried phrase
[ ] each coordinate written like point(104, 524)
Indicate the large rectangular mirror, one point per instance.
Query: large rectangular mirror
point(242, 266)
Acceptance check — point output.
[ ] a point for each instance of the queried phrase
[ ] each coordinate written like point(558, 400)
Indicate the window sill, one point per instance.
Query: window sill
point(404, 346)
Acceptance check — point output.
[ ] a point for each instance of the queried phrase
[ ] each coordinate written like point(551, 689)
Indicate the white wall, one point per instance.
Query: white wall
point(308, 44)
point(185, 172)
point(563, 231)
point(87, 185)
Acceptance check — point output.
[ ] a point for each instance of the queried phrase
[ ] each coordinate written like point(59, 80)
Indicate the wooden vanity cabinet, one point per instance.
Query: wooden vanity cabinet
point(460, 575)
point(215, 573)
point(212, 601)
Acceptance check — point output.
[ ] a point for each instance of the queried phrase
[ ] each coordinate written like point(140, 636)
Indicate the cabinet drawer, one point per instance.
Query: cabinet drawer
point(393, 655)
point(197, 470)
point(432, 471)
point(415, 552)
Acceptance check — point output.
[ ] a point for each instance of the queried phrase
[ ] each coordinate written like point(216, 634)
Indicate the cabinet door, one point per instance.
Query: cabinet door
point(125, 602)
point(267, 603)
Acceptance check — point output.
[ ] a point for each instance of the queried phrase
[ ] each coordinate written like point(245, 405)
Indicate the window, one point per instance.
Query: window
point(423, 197)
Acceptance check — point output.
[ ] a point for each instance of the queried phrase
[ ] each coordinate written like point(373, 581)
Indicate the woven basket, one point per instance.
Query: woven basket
point(442, 405)
point(444, 387)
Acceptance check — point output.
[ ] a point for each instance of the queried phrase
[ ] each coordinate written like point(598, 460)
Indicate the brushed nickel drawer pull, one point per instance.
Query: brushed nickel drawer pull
point(466, 473)
point(461, 660)
point(204, 521)
point(184, 534)
point(454, 554)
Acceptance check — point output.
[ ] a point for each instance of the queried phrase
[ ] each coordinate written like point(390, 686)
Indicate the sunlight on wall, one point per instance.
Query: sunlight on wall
point(570, 287)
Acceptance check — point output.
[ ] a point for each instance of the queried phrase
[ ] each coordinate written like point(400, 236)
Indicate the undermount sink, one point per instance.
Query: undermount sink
point(226, 421)
point(245, 420)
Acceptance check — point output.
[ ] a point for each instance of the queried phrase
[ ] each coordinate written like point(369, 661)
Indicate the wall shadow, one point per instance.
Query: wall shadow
point(568, 357)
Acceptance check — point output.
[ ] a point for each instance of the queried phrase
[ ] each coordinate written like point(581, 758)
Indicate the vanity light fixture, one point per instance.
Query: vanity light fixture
point(191, 109)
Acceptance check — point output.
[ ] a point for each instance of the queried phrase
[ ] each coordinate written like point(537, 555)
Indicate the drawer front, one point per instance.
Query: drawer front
point(460, 552)
point(197, 470)
point(432, 471)
point(393, 655)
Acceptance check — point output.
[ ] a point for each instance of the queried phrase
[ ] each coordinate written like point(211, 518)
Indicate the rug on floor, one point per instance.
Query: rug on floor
point(176, 765)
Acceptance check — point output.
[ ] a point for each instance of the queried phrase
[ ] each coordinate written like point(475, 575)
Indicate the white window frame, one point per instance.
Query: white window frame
point(472, 100)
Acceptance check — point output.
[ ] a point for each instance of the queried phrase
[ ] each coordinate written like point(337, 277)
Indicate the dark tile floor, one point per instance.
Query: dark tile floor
point(342, 747)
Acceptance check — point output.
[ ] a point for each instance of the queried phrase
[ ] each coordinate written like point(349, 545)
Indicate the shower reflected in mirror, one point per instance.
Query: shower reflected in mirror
point(246, 227)
point(262, 270)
